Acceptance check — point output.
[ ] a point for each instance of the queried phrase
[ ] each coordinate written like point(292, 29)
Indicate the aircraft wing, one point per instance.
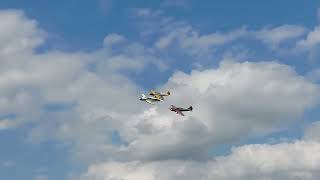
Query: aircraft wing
point(153, 92)
point(149, 101)
point(154, 99)
point(158, 96)
point(179, 112)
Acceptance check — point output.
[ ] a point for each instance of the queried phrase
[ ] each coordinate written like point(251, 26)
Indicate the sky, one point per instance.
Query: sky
point(72, 72)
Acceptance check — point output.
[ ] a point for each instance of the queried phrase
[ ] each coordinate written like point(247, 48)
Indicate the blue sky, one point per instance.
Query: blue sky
point(83, 24)
point(73, 70)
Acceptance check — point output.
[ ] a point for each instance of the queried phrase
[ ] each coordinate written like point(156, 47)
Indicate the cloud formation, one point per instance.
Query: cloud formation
point(312, 39)
point(233, 101)
point(298, 160)
point(295, 160)
point(277, 35)
point(86, 100)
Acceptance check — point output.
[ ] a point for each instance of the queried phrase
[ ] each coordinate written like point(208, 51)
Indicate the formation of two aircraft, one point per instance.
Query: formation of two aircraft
point(155, 96)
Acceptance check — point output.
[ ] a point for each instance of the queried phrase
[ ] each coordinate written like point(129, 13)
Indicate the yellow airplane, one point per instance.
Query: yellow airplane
point(158, 95)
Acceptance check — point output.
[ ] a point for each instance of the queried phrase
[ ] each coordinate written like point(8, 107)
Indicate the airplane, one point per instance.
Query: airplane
point(149, 99)
point(158, 95)
point(179, 110)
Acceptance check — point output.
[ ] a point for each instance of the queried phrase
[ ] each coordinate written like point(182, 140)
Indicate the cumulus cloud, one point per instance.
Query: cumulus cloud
point(146, 171)
point(310, 44)
point(82, 83)
point(233, 101)
point(18, 34)
point(230, 102)
point(78, 98)
point(83, 99)
point(298, 160)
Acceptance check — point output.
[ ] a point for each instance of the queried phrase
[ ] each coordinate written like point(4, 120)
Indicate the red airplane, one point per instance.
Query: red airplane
point(179, 110)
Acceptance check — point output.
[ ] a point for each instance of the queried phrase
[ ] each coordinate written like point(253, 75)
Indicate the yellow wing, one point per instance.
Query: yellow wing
point(153, 93)
point(158, 96)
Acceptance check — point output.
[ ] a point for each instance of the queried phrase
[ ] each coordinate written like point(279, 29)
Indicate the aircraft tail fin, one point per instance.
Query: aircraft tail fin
point(143, 96)
point(190, 108)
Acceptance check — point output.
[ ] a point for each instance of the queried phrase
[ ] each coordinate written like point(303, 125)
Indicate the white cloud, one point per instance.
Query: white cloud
point(275, 36)
point(297, 160)
point(313, 132)
point(112, 39)
point(190, 41)
point(312, 40)
point(183, 38)
point(169, 34)
point(310, 44)
point(165, 170)
point(179, 37)
point(17, 33)
point(96, 98)
point(120, 56)
point(314, 75)
point(144, 12)
point(90, 84)
point(29, 80)
point(230, 102)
